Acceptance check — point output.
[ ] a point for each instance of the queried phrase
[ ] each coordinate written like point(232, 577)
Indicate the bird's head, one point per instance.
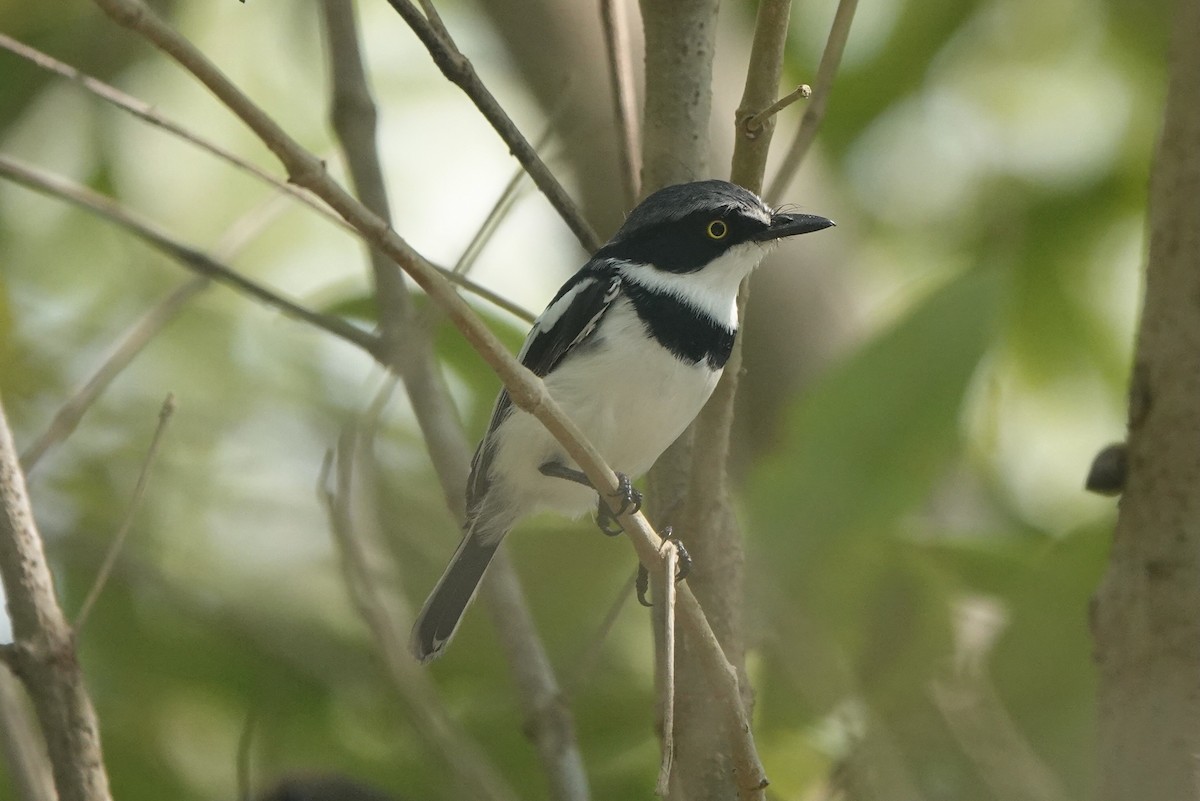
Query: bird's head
point(704, 226)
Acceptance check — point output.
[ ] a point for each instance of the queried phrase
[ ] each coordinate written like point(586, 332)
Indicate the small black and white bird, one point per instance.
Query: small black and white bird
point(631, 347)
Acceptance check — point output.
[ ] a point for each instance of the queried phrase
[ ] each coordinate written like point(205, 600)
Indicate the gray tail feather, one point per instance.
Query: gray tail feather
point(455, 590)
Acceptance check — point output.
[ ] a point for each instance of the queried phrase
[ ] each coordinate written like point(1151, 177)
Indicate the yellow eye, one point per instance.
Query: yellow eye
point(717, 229)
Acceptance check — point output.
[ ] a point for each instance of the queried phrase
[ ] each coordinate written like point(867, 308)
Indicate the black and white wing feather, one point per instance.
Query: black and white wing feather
point(567, 322)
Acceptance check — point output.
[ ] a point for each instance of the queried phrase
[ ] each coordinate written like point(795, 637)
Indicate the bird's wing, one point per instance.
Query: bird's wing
point(569, 320)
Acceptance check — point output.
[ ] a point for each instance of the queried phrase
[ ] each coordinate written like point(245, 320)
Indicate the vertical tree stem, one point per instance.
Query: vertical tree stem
point(1146, 618)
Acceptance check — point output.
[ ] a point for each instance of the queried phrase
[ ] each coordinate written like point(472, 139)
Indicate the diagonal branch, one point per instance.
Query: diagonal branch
point(194, 260)
point(43, 654)
point(459, 71)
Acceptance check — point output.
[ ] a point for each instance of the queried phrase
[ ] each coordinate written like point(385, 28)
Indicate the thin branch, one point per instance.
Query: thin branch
point(501, 207)
point(67, 418)
point(620, 76)
point(135, 503)
point(668, 600)
point(470, 765)
point(458, 70)
point(814, 114)
point(44, 647)
point(752, 126)
point(193, 259)
point(526, 390)
point(148, 113)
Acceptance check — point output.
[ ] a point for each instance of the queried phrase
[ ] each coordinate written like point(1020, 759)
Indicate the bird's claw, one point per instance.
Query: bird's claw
point(630, 500)
point(682, 569)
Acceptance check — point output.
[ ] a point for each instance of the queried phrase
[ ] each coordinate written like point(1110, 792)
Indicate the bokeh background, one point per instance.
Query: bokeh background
point(927, 384)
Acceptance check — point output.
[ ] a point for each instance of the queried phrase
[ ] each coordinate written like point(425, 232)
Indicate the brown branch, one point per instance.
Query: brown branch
point(753, 126)
point(624, 96)
point(44, 647)
point(526, 390)
point(458, 70)
point(194, 260)
point(814, 114)
point(550, 723)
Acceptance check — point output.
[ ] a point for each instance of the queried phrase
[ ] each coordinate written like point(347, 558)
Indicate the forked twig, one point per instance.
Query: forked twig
point(457, 68)
point(814, 114)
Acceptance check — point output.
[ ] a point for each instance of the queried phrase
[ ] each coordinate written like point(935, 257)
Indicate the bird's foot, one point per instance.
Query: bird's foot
point(630, 500)
point(682, 569)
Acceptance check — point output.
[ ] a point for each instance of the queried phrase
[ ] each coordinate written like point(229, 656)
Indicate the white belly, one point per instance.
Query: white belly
point(631, 402)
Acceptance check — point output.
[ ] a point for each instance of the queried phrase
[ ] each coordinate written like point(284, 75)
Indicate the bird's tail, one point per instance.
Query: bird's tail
point(455, 590)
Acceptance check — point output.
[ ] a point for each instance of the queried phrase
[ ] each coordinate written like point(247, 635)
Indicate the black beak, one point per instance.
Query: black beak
point(790, 225)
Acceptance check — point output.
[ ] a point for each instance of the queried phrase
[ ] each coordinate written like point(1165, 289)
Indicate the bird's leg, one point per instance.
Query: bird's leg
point(606, 518)
point(681, 571)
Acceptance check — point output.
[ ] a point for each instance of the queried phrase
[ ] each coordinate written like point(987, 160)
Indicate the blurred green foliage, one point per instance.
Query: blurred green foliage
point(963, 358)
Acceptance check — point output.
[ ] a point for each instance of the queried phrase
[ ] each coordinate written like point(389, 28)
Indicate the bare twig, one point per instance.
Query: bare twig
point(67, 418)
point(810, 123)
point(620, 76)
point(193, 259)
point(139, 491)
point(148, 113)
point(752, 126)
point(470, 765)
point(44, 646)
point(526, 390)
point(668, 598)
point(458, 70)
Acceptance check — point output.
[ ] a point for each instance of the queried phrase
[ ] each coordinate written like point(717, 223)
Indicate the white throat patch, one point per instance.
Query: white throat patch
point(712, 289)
